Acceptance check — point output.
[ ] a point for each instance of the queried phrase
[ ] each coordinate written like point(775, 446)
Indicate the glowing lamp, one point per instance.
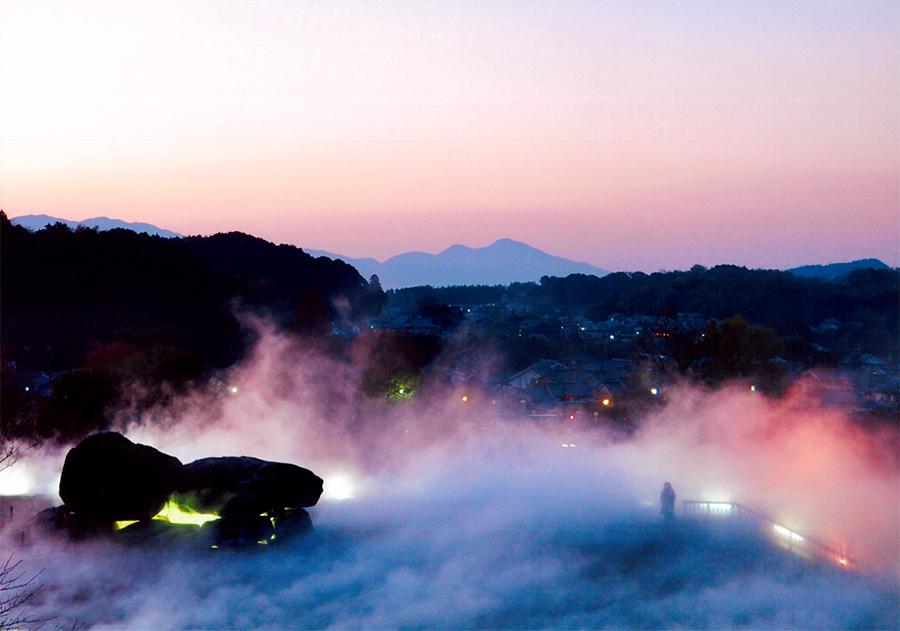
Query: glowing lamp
point(339, 487)
point(175, 514)
point(233, 389)
point(654, 391)
point(465, 398)
point(119, 525)
point(606, 403)
point(15, 481)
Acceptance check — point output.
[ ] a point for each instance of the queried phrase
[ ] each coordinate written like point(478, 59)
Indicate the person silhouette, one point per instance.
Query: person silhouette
point(667, 502)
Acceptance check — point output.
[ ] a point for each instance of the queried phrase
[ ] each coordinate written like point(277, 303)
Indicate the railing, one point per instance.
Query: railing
point(782, 535)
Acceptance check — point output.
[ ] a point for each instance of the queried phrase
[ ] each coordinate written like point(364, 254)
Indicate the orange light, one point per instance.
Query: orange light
point(606, 402)
point(465, 398)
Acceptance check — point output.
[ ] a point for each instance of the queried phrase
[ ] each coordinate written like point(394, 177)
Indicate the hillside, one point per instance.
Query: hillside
point(832, 271)
point(64, 292)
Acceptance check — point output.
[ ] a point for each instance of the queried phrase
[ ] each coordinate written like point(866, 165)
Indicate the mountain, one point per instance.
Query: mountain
point(836, 270)
point(504, 261)
point(36, 222)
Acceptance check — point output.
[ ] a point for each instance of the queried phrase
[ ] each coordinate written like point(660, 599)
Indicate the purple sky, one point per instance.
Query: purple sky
point(632, 135)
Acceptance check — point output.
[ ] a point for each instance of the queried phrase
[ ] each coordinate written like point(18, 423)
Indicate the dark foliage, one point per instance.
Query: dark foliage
point(107, 309)
point(864, 301)
point(392, 358)
point(64, 291)
point(275, 276)
point(407, 299)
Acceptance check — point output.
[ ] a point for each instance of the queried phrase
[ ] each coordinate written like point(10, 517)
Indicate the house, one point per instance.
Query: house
point(539, 369)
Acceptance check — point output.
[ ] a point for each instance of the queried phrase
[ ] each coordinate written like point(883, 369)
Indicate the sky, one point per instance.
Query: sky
point(631, 135)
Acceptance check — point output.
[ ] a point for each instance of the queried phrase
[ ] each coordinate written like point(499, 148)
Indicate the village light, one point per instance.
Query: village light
point(753, 388)
point(233, 389)
point(611, 336)
point(465, 398)
point(606, 402)
point(654, 391)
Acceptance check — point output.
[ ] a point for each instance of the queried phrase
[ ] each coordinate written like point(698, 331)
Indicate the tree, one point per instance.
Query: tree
point(9, 453)
point(15, 590)
point(732, 348)
point(684, 348)
point(15, 593)
point(375, 298)
point(312, 317)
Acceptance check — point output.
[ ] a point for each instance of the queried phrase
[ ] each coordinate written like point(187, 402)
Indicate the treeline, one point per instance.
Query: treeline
point(64, 291)
point(102, 309)
point(865, 301)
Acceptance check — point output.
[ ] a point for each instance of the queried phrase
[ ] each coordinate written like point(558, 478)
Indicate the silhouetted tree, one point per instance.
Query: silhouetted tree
point(375, 299)
point(312, 317)
point(732, 348)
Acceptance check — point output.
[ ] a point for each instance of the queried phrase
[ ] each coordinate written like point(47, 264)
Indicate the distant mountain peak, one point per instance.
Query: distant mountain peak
point(456, 247)
point(502, 262)
point(506, 241)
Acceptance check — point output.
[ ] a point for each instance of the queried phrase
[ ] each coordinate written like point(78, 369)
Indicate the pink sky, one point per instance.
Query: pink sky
point(632, 135)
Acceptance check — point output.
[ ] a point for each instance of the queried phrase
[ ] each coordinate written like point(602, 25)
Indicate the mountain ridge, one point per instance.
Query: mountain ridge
point(502, 262)
point(831, 271)
point(36, 222)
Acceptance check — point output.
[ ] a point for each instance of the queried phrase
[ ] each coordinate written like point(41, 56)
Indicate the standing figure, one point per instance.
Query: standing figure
point(667, 502)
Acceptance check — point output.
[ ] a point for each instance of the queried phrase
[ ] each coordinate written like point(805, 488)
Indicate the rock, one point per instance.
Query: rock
point(210, 485)
point(61, 521)
point(292, 524)
point(106, 478)
point(162, 533)
point(243, 505)
point(243, 531)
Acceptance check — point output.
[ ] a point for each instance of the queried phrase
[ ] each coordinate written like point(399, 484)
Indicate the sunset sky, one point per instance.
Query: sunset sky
point(632, 135)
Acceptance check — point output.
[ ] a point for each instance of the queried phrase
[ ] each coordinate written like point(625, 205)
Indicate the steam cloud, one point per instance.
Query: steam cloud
point(458, 519)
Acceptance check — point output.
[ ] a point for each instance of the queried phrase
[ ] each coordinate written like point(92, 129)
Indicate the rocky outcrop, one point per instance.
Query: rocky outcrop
point(242, 500)
point(241, 484)
point(106, 477)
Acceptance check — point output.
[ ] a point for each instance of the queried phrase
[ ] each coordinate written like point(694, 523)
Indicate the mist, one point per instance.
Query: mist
point(440, 514)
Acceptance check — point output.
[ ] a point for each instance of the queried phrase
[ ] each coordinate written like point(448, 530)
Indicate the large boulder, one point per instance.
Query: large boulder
point(106, 477)
point(241, 484)
point(291, 525)
point(154, 532)
point(62, 522)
